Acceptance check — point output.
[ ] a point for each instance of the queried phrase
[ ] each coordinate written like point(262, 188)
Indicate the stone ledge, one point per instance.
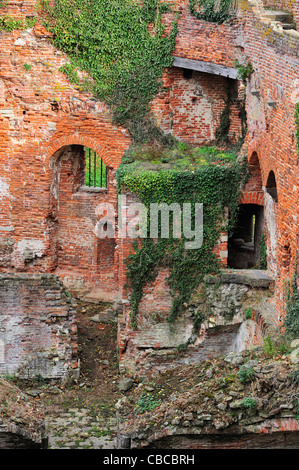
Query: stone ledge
point(250, 277)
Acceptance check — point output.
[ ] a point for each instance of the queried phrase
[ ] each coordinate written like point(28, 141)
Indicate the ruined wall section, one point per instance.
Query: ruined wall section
point(272, 93)
point(40, 113)
point(190, 106)
point(284, 5)
point(155, 344)
point(201, 40)
point(38, 331)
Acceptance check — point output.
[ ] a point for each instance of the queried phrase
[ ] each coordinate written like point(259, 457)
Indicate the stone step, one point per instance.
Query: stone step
point(282, 16)
point(288, 26)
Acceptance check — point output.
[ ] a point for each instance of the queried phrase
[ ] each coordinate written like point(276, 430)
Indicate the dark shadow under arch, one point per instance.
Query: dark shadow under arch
point(271, 187)
point(244, 244)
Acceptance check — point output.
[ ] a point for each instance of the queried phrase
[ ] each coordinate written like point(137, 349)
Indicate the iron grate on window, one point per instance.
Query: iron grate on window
point(95, 170)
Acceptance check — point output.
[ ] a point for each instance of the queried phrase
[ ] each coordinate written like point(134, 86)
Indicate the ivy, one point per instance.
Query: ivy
point(263, 263)
point(222, 132)
point(216, 186)
point(291, 320)
point(125, 59)
point(8, 23)
point(243, 71)
point(215, 11)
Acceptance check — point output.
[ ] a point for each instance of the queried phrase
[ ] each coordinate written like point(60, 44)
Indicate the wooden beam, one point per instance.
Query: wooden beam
point(207, 67)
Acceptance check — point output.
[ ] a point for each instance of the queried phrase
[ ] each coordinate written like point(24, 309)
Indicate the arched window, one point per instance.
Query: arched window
point(271, 187)
point(255, 173)
point(96, 172)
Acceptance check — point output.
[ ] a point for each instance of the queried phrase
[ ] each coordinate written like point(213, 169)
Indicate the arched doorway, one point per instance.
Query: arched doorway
point(244, 244)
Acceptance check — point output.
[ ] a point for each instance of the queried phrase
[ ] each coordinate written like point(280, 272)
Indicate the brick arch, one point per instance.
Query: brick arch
point(252, 197)
point(253, 191)
point(77, 255)
point(110, 154)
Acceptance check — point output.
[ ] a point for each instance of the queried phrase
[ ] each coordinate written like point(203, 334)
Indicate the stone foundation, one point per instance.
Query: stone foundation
point(235, 310)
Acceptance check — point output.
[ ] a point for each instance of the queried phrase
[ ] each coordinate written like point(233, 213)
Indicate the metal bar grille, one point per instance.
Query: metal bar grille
point(96, 173)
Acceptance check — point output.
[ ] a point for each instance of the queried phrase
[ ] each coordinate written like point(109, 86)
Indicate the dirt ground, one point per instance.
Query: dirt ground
point(96, 389)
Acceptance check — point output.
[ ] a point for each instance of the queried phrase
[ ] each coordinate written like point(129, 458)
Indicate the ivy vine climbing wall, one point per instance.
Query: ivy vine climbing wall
point(123, 57)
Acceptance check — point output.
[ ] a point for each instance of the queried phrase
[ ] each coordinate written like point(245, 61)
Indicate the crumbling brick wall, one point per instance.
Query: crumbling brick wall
point(191, 103)
point(272, 93)
point(156, 344)
point(284, 5)
point(38, 329)
point(42, 113)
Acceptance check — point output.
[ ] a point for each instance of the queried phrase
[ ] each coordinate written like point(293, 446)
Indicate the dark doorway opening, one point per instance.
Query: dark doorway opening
point(244, 244)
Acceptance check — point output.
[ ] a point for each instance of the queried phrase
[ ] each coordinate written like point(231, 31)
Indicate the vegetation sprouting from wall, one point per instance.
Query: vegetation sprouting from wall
point(123, 47)
point(291, 320)
point(215, 11)
point(205, 175)
point(9, 23)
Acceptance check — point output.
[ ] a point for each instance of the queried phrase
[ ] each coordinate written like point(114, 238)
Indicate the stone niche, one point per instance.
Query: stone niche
point(38, 331)
point(228, 313)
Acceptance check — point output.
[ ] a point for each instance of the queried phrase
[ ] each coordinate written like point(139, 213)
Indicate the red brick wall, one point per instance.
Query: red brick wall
point(284, 5)
point(271, 96)
point(38, 116)
point(190, 108)
point(38, 327)
point(199, 40)
point(40, 113)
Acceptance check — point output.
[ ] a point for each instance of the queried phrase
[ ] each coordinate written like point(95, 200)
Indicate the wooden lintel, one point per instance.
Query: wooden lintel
point(207, 67)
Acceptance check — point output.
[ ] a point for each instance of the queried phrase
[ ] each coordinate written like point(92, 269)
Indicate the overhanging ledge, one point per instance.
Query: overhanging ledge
point(207, 67)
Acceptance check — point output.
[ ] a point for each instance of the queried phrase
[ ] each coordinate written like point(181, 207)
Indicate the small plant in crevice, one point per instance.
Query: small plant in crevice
point(291, 319)
point(248, 314)
point(147, 402)
point(246, 374)
point(250, 403)
point(243, 71)
point(269, 347)
point(214, 11)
